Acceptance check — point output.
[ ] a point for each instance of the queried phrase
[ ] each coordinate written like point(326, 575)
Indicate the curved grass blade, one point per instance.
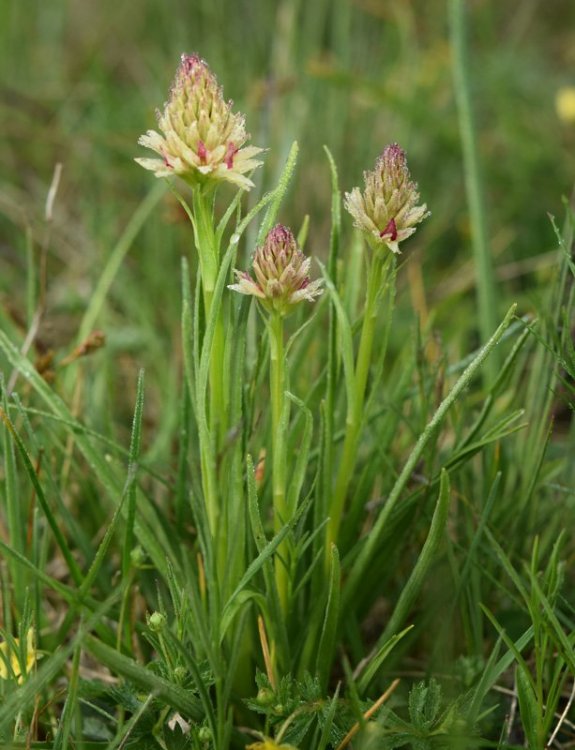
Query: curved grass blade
point(328, 721)
point(117, 256)
point(373, 540)
point(95, 459)
point(264, 556)
point(327, 641)
point(421, 568)
point(173, 695)
point(374, 664)
point(279, 192)
point(276, 617)
point(31, 472)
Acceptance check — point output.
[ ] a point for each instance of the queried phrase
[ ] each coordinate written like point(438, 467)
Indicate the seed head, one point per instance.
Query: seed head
point(282, 274)
point(203, 140)
point(387, 211)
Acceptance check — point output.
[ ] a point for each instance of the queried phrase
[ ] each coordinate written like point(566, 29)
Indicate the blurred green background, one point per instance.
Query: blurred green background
point(80, 81)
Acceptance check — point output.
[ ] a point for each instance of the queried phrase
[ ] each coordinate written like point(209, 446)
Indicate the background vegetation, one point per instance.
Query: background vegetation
point(494, 616)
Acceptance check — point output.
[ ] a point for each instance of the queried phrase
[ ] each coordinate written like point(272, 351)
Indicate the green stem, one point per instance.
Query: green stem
point(279, 404)
point(209, 258)
point(356, 406)
point(211, 440)
point(485, 279)
point(209, 486)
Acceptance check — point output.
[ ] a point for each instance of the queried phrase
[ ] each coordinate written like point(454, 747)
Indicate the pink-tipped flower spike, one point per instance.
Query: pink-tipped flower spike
point(281, 274)
point(203, 140)
point(387, 211)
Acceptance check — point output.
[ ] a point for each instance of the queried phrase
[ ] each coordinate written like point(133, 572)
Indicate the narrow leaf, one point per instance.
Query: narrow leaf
point(326, 646)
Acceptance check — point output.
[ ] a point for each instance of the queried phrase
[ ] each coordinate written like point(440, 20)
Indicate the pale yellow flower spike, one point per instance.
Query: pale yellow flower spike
point(281, 273)
point(202, 140)
point(10, 656)
point(387, 212)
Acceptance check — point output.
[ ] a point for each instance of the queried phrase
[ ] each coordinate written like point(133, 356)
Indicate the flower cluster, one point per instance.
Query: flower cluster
point(281, 274)
point(387, 211)
point(10, 664)
point(203, 140)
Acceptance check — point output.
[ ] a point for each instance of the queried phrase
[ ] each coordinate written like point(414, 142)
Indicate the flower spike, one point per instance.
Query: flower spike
point(281, 274)
point(203, 140)
point(387, 211)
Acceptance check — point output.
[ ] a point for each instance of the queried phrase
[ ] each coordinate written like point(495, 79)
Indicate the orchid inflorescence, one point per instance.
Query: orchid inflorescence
point(203, 140)
point(387, 211)
point(281, 274)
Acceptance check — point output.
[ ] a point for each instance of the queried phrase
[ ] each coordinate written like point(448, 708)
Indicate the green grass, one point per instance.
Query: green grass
point(164, 557)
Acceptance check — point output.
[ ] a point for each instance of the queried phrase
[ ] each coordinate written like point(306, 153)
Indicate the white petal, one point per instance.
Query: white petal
point(152, 140)
point(154, 165)
point(393, 246)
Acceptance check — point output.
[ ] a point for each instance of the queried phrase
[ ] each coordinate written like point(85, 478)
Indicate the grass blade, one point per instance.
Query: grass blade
point(485, 278)
point(279, 193)
point(327, 641)
point(372, 542)
point(421, 568)
point(173, 695)
point(131, 486)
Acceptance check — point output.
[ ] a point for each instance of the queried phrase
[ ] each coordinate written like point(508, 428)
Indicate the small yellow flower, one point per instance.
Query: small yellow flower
point(387, 211)
point(565, 104)
point(10, 657)
point(203, 140)
point(282, 274)
point(269, 744)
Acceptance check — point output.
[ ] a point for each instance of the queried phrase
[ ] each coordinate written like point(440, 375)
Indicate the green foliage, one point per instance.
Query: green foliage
point(248, 544)
point(431, 725)
point(301, 706)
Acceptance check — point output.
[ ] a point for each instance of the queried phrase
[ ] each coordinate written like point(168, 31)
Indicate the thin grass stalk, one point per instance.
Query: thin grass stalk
point(31, 280)
point(116, 258)
point(278, 405)
point(51, 519)
point(205, 237)
point(70, 710)
point(271, 603)
point(131, 486)
point(543, 379)
point(485, 277)
point(328, 442)
point(209, 259)
point(379, 266)
point(13, 504)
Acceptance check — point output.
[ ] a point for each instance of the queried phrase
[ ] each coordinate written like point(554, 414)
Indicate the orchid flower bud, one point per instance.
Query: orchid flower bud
point(281, 274)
